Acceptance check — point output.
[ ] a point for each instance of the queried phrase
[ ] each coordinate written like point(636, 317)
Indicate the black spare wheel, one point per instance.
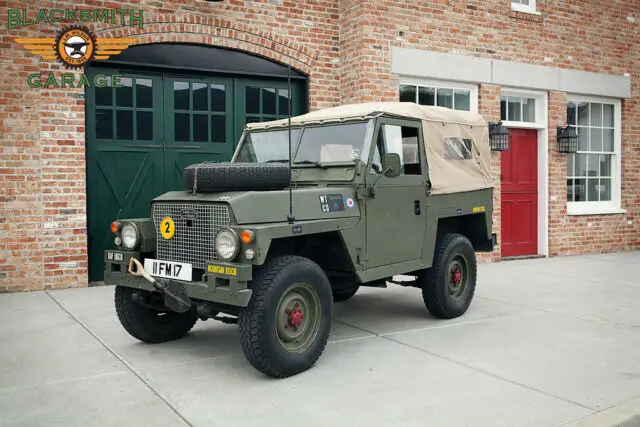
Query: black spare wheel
point(147, 320)
point(211, 177)
point(449, 285)
point(286, 325)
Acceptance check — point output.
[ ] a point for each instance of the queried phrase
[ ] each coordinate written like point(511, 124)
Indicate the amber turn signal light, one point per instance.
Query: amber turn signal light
point(115, 226)
point(247, 236)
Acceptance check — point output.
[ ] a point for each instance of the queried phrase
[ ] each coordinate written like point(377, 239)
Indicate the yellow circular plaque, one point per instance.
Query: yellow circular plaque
point(167, 228)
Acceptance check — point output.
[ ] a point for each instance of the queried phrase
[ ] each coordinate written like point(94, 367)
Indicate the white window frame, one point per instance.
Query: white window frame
point(531, 8)
point(540, 100)
point(615, 205)
point(441, 84)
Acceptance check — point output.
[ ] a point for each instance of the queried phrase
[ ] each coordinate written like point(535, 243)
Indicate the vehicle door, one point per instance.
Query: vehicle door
point(395, 215)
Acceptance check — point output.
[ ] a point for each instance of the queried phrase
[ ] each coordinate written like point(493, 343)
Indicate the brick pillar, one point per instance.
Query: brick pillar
point(558, 220)
point(489, 107)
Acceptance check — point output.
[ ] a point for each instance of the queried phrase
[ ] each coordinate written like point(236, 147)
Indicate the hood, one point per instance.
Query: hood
point(256, 207)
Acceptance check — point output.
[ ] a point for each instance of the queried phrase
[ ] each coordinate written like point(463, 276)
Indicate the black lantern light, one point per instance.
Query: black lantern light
point(567, 139)
point(498, 137)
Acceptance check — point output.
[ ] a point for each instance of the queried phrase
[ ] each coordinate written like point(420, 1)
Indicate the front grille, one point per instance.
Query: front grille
point(196, 226)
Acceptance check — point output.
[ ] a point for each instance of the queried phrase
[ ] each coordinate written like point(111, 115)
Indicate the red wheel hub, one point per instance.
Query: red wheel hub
point(456, 275)
point(295, 317)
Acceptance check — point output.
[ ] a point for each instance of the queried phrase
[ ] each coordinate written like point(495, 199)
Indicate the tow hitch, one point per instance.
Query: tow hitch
point(175, 294)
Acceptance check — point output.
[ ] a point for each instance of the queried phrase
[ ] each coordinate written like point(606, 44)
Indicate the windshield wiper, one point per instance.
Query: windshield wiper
point(278, 161)
point(310, 162)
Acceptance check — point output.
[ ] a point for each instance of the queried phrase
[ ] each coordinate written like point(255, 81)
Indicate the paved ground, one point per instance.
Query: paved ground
point(546, 342)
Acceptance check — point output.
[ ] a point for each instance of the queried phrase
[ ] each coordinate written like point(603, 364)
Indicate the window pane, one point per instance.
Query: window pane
point(182, 127)
point(124, 125)
point(529, 110)
point(580, 190)
point(200, 128)
point(607, 140)
point(407, 93)
point(596, 114)
point(144, 93)
point(514, 113)
point(144, 126)
point(583, 114)
point(581, 165)
point(593, 165)
point(283, 101)
point(181, 95)
point(252, 99)
point(607, 113)
point(124, 93)
point(445, 98)
point(592, 190)
point(426, 96)
point(253, 119)
point(571, 113)
point(605, 165)
point(571, 158)
point(462, 100)
point(218, 98)
point(218, 128)
point(268, 101)
point(104, 95)
point(570, 190)
point(200, 97)
point(596, 139)
point(104, 124)
point(583, 139)
point(605, 190)
point(503, 109)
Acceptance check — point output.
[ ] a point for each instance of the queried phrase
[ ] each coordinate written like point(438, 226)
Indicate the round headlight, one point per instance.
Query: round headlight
point(227, 244)
point(130, 236)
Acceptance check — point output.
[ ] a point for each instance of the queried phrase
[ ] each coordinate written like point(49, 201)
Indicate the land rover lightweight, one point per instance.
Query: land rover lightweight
point(310, 209)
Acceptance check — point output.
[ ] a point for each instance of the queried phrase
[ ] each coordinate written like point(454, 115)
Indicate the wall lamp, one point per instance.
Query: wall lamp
point(567, 139)
point(498, 137)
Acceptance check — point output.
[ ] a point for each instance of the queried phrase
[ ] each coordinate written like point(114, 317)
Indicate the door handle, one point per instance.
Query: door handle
point(416, 207)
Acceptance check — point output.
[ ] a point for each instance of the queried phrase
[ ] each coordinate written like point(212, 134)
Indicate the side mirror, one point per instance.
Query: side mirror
point(391, 165)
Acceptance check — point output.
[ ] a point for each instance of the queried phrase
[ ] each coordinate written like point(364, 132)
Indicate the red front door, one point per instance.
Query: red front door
point(519, 178)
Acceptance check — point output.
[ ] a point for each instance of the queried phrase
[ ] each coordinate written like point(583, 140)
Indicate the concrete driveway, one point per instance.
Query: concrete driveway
point(545, 343)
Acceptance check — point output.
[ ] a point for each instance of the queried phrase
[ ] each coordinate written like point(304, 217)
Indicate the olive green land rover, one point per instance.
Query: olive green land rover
point(310, 209)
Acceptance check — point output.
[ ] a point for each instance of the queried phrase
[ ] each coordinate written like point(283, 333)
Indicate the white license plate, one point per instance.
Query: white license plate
point(168, 269)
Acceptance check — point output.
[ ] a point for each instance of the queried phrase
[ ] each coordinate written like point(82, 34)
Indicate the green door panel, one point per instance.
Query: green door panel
point(141, 136)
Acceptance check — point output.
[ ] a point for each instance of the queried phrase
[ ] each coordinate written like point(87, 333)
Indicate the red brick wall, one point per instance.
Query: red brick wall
point(344, 46)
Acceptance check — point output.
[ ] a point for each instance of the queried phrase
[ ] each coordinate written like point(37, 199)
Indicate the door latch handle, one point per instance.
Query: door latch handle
point(416, 207)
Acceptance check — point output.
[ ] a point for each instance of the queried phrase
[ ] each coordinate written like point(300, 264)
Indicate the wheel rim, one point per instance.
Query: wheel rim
point(298, 317)
point(457, 277)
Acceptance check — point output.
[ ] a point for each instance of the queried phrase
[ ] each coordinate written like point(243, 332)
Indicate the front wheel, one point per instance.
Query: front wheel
point(286, 325)
point(148, 324)
point(449, 285)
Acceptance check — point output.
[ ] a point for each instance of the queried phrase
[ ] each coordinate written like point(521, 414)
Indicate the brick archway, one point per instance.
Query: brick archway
point(220, 33)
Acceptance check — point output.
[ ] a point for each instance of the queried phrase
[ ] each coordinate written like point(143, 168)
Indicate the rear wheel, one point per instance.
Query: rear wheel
point(286, 325)
point(148, 324)
point(449, 285)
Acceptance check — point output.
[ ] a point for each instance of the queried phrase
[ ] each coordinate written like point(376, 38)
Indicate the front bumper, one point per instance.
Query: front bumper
point(223, 282)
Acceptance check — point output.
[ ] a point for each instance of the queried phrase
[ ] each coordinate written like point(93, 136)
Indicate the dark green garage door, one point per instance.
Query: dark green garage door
point(142, 134)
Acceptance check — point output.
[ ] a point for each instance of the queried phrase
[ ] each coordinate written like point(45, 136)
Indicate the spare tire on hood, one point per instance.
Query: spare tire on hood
point(227, 176)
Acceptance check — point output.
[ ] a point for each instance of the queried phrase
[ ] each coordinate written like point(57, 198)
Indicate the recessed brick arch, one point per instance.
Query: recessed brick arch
point(220, 33)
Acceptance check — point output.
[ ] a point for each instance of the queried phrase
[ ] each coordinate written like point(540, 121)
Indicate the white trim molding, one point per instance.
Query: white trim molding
point(524, 8)
point(541, 124)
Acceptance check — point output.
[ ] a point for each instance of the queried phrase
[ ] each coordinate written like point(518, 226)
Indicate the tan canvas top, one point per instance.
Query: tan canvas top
point(456, 142)
point(360, 111)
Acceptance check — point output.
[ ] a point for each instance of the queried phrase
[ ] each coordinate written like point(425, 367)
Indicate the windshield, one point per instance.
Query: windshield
point(319, 144)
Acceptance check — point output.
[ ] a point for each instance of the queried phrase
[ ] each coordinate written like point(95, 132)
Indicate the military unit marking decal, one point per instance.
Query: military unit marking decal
point(350, 203)
point(331, 203)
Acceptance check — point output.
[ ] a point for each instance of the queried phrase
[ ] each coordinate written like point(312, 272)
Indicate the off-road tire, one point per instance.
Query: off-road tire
point(144, 323)
point(258, 330)
point(435, 280)
point(236, 176)
point(344, 294)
